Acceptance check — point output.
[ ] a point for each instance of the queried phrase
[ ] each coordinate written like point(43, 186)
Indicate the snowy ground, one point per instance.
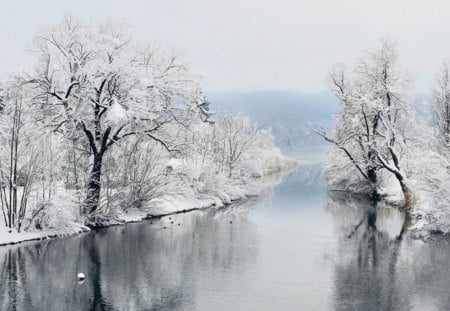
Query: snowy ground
point(165, 205)
point(8, 236)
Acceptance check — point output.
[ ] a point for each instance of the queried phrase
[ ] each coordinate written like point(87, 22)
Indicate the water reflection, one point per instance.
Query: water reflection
point(281, 251)
point(379, 265)
point(134, 267)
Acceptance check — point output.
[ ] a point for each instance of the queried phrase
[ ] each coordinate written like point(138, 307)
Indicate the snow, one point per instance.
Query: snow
point(58, 218)
point(8, 236)
point(218, 194)
point(405, 162)
point(143, 111)
point(116, 114)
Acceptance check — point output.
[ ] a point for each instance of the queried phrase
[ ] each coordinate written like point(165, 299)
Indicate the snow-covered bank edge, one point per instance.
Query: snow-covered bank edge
point(168, 205)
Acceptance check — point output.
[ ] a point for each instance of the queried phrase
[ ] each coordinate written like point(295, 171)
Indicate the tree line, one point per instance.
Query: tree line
point(98, 117)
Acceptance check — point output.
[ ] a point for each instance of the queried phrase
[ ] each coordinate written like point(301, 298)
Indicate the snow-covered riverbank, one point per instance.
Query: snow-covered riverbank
point(230, 191)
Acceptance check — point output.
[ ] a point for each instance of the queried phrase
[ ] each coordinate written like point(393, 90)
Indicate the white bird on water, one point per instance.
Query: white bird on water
point(81, 276)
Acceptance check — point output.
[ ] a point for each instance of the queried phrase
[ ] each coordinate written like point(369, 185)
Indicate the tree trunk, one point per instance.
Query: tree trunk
point(372, 175)
point(93, 192)
point(408, 195)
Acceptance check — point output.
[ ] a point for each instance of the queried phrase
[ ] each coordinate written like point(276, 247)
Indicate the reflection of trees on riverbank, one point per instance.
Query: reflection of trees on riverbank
point(380, 266)
point(133, 267)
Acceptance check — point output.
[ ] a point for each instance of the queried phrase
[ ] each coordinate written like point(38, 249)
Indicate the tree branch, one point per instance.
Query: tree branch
point(349, 155)
point(90, 137)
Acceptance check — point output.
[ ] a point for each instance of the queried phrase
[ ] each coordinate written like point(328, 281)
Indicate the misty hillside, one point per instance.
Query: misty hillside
point(292, 116)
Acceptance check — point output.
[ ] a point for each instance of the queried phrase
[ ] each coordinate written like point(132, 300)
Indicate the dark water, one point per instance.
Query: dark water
point(295, 248)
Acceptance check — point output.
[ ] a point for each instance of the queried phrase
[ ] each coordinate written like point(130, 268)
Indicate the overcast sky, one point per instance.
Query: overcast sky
point(246, 45)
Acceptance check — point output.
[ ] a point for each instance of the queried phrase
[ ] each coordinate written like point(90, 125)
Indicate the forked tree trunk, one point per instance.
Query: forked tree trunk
point(408, 195)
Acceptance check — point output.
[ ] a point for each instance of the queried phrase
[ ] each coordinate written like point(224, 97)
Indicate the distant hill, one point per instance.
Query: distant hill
point(292, 116)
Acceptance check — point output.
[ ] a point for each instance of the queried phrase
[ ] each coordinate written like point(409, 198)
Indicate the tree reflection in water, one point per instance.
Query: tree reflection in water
point(134, 267)
point(269, 260)
point(380, 265)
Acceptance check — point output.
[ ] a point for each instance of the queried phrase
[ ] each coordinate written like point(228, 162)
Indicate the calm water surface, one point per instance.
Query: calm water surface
point(294, 248)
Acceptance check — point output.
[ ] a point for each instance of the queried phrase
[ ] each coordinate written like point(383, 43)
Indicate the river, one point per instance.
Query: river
point(294, 248)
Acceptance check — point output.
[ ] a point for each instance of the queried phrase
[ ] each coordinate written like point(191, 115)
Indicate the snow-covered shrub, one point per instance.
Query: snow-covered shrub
point(432, 179)
point(264, 158)
point(135, 173)
point(60, 215)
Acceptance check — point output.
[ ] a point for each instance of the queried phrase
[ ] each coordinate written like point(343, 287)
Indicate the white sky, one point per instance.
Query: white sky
point(245, 45)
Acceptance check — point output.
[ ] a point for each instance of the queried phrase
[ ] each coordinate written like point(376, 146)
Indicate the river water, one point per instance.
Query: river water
point(294, 248)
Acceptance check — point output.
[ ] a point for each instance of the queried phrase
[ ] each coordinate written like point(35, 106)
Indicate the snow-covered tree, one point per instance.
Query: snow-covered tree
point(20, 166)
point(440, 110)
point(103, 125)
point(98, 83)
point(371, 132)
point(237, 134)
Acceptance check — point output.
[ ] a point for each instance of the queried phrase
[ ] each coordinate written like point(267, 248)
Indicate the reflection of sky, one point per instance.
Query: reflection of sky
point(296, 244)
